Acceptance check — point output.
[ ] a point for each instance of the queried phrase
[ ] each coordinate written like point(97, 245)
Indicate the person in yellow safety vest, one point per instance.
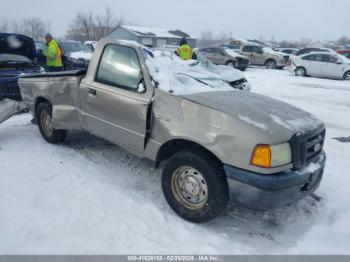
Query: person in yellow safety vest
point(184, 51)
point(53, 55)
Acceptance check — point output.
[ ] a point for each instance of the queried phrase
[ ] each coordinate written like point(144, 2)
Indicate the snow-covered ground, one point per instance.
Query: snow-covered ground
point(88, 196)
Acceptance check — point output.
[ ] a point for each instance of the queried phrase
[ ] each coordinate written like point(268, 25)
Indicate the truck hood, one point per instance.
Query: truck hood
point(269, 115)
point(17, 45)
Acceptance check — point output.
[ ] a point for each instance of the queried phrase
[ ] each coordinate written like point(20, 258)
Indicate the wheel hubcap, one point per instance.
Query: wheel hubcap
point(46, 123)
point(300, 72)
point(231, 64)
point(270, 65)
point(189, 187)
point(347, 76)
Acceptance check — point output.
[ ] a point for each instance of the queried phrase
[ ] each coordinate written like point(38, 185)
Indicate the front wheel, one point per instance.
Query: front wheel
point(231, 64)
point(43, 118)
point(270, 64)
point(195, 186)
point(347, 75)
point(300, 71)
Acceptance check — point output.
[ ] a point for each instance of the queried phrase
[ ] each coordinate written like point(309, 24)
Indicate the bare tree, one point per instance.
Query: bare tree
point(4, 26)
point(34, 27)
point(209, 38)
point(87, 26)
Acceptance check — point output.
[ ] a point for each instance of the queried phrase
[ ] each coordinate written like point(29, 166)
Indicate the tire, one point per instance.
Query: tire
point(271, 64)
point(300, 71)
point(347, 75)
point(231, 63)
point(206, 193)
point(43, 117)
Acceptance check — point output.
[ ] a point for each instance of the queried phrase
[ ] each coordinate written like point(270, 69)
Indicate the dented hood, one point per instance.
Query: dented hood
point(264, 113)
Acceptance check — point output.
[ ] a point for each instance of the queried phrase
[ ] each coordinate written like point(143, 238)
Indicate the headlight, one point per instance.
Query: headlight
point(271, 156)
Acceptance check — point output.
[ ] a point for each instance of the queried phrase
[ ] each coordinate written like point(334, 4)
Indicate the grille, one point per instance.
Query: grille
point(307, 146)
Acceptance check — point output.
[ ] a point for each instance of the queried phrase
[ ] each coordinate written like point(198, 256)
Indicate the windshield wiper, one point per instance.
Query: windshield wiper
point(200, 81)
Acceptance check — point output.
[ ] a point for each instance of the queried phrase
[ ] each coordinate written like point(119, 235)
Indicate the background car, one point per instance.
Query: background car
point(76, 55)
point(344, 52)
point(17, 57)
point(320, 64)
point(224, 56)
point(264, 56)
point(91, 44)
point(311, 49)
point(289, 51)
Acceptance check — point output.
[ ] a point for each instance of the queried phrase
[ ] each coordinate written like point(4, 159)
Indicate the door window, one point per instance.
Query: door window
point(333, 59)
point(119, 67)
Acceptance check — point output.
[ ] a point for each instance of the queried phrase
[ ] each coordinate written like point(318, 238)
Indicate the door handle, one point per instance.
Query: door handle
point(92, 92)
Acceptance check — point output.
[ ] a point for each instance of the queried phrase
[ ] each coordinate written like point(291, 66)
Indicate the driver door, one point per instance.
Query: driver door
point(114, 107)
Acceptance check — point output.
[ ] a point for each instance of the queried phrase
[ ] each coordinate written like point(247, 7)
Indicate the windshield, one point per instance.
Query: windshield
point(184, 77)
point(71, 47)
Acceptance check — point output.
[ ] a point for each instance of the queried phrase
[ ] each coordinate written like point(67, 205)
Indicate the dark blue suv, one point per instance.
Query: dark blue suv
point(17, 57)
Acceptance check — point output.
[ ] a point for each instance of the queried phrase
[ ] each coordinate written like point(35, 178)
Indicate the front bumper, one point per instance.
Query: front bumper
point(264, 192)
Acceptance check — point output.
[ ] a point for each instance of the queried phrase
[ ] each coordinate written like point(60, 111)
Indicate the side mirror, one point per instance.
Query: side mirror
point(339, 62)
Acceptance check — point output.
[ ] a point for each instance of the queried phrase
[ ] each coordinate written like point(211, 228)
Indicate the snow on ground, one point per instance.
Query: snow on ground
point(87, 196)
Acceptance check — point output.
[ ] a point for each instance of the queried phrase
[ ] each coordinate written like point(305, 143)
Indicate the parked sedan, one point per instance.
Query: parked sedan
point(319, 64)
point(289, 51)
point(225, 56)
point(311, 49)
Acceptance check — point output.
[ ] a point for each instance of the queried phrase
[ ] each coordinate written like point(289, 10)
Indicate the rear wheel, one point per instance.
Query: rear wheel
point(347, 75)
point(271, 64)
point(43, 118)
point(231, 64)
point(194, 186)
point(300, 71)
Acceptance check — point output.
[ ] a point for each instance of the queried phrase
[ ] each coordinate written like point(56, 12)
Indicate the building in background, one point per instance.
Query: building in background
point(151, 36)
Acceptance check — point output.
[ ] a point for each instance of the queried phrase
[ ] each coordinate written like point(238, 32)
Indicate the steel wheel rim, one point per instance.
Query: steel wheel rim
point(189, 187)
point(46, 123)
point(271, 65)
point(347, 76)
point(300, 72)
point(231, 64)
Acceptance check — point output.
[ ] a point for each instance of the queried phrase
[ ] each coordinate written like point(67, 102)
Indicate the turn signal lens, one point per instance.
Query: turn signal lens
point(261, 156)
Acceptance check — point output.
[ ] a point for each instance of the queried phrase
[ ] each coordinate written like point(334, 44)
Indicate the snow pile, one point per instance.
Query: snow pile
point(184, 77)
point(81, 55)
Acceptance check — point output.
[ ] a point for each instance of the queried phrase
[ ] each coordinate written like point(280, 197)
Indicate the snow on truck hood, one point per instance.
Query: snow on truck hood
point(186, 77)
point(267, 114)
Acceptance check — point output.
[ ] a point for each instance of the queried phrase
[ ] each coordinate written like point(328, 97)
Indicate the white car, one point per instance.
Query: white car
point(321, 64)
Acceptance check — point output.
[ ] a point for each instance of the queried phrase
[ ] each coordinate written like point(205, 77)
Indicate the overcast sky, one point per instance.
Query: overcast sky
point(283, 20)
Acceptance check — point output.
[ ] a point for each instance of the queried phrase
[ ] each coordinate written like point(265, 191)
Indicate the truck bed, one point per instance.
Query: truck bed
point(60, 89)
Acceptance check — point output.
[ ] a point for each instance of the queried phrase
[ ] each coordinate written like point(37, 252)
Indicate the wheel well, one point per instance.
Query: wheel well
point(346, 73)
point(230, 61)
point(302, 68)
point(40, 100)
point(270, 59)
point(173, 146)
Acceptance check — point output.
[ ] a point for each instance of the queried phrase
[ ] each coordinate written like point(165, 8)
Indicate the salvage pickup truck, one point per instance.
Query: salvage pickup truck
point(215, 143)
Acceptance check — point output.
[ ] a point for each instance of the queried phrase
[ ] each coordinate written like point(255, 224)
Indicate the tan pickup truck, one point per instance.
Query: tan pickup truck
point(213, 142)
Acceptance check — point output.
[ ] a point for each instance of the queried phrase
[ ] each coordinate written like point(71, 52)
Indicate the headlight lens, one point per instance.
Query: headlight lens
point(271, 156)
